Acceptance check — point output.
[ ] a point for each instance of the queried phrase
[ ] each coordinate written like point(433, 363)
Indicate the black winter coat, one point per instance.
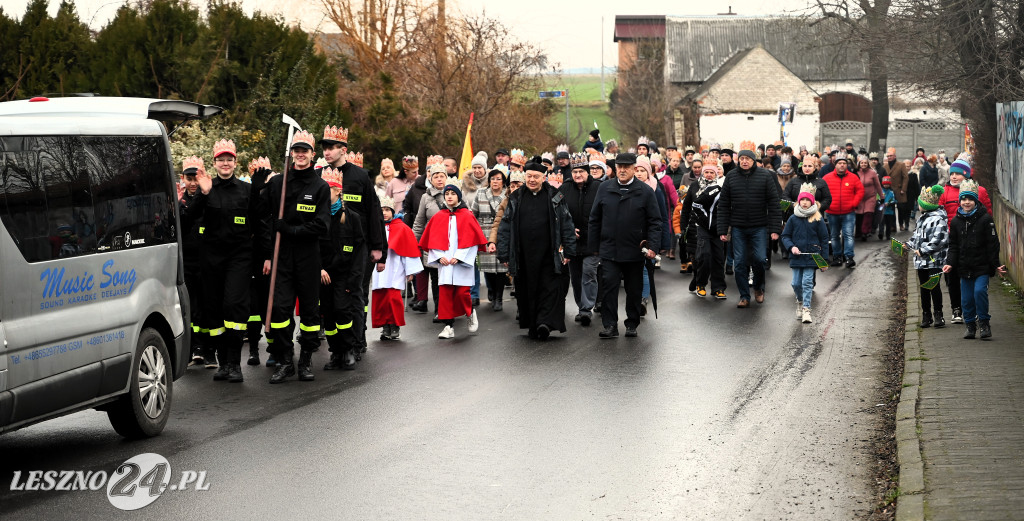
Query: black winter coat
point(342, 249)
point(562, 234)
point(360, 195)
point(701, 209)
point(229, 217)
point(580, 201)
point(622, 217)
point(822, 195)
point(973, 244)
point(750, 199)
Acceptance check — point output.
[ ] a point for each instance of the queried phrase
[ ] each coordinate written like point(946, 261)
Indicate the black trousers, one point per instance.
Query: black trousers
point(194, 284)
point(298, 276)
point(930, 298)
point(953, 285)
point(340, 309)
point(903, 209)
point(495, 286)
point(226, 302)
point(364, 293)
point(259, 293)
point(710, 259)
point(631, 273)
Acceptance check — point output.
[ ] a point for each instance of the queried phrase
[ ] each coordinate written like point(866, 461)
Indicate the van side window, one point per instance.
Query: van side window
point(80, 195)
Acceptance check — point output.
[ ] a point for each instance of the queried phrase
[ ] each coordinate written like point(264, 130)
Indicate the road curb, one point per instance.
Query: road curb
point(910, 503)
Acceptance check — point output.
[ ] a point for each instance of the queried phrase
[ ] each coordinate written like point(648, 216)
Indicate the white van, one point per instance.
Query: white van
point(93, 305)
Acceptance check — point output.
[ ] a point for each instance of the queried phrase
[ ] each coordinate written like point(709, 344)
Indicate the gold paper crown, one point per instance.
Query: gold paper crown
point(387, 202)
point(642, 140)
point(710, 162)
point(260, 162)
point(562, 148)
point(410, 162)
point(302, 136)
point(517, 157)
point(191, 162)
point(356, 158)
point(675, 154)
point(549, 156)
point(656, 158)
point(224, 146)
point(387, 162)
point(597, 156)
point(332, 176)
point(517, 177)
point(579, 160)
point(435, 164)
point(747, 145)
point(336, 134)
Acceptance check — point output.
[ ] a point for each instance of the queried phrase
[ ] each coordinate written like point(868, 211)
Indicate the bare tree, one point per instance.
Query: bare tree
point(865, 23)
point(378, 33)
point(638, 103)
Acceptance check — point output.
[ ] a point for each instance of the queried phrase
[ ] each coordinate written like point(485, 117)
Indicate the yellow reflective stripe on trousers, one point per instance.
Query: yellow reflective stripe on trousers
point(255, 318)
point(366, 309)
point(345, 326)
point(217, 332)
point(279, 325)
point(270, 340)
point(237, 326)
point(195, 329)
point(330, 332)
point(304, 327)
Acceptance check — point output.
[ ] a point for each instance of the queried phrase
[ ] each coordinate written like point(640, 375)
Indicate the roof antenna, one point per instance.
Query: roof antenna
point(730, 13)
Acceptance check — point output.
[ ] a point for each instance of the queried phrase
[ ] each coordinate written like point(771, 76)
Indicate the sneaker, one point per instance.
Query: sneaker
point(720, 295)
point(474, 324)
point(837, 260)
point(609, 332)
point(630, 332)
point(447, 332)
point(395, 334)
point(806, 318)
point(958, 316)
point(701, 292)
point(197, 360)
point(210, 362)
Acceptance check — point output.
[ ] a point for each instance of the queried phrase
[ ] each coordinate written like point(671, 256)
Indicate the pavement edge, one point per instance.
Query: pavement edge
point(910, 502)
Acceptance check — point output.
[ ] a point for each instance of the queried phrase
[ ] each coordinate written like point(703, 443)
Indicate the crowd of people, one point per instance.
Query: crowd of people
point(335, 246)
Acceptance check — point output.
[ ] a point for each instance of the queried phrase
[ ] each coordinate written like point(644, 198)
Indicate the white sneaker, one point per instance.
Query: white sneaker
point(799, 310)
point(474, 324)
point(806, 315)
point(447, 332)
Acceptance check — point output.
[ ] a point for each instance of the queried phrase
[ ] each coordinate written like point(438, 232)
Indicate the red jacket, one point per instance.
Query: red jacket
point(950, 200)
point(847, 192)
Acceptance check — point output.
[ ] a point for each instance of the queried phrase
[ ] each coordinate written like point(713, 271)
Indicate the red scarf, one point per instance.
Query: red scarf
point(435, 234)
point(401, 239)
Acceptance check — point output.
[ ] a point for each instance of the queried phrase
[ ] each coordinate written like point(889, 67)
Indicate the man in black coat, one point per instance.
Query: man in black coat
point(750, 205)
point(580, 192)
point(536, 241)
point(625, 214)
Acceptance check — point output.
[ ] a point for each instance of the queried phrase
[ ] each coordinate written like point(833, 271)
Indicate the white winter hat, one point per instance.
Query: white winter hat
point(480, 159)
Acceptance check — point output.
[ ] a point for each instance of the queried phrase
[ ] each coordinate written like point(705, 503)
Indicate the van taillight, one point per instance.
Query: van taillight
point(39, 98)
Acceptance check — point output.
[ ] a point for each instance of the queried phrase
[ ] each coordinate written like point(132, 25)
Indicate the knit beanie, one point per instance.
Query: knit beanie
point(643, 161)
point(969, 188)
point(806, 192)
point(886, 181)
point(480, 159)
point(962, 167)
point(929, 199)
point(749, 154)
point(453, 188)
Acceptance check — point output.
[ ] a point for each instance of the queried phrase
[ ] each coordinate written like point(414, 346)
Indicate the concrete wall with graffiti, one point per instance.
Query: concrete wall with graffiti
point(1008, 207)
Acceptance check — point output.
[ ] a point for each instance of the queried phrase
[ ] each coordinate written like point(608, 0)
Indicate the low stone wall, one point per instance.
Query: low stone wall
point(1010, 227)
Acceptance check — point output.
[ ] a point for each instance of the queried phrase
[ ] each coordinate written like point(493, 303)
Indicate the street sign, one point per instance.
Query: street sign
point(552, 94)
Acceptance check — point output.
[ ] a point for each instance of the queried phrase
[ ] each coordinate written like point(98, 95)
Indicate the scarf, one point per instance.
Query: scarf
point(335, 206)
point(962, 213)
point(800, 212)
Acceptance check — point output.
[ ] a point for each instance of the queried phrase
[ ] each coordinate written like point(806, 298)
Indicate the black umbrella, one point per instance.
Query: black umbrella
point(650, 277)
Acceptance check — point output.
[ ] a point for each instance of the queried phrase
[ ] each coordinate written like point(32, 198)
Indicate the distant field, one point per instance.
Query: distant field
point(585, 107)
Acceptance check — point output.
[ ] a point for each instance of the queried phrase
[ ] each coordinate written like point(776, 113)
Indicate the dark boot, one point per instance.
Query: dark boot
point(235, 374)
point(224, 367)
point(285, 369)
point(305, 373)
point(939, 321)
point(986, 329)
point(254, 354)
point(972, 328)
point(926, 319)
point(348, 361)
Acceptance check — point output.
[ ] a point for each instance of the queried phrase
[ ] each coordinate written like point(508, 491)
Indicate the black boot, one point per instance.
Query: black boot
point(235, 374)
point(222, 373)
point(939, 321)
point(348, 361)
point(305, 373)
point(972, 328)
point(986, 329)
point(926, 319)
point(254, 353)
point(285, 369)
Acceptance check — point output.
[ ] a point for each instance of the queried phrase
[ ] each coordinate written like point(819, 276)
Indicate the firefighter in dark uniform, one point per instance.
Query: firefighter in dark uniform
point(192, 252)
point(307, 211)
point(342, 251)
point(229, 219)
point(359, 196)
point(259, 284)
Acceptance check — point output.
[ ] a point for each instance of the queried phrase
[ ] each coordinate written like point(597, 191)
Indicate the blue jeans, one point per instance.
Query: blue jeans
point(646, 293)
point(803, 285)
point(974, 298)
point(843, 223)
point(748, 243)
point(474, 292)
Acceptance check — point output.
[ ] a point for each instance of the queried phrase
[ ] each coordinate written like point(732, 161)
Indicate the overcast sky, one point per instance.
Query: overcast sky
point(568, 31)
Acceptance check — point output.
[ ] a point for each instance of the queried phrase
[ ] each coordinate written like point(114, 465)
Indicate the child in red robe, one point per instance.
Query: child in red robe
point(389, 278)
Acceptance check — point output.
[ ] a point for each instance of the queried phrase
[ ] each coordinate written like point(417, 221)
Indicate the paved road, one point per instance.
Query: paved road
point(713, 413)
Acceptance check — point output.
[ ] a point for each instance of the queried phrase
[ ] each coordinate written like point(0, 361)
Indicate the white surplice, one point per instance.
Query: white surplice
point(460, 273)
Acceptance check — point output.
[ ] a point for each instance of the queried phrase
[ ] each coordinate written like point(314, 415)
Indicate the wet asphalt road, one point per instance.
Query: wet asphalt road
point(713, 412)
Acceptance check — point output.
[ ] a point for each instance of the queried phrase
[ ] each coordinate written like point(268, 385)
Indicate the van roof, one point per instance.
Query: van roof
point(101, 106)
point(77, 125)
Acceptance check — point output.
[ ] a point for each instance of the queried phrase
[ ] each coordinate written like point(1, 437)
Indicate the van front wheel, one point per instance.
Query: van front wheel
point(143, 411)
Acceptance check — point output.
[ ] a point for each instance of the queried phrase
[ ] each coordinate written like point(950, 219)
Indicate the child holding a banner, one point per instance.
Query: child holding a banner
point(806, 237)
point(929, 244)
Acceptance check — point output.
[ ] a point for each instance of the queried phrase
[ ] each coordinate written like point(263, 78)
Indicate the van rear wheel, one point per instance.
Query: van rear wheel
point(143, 411)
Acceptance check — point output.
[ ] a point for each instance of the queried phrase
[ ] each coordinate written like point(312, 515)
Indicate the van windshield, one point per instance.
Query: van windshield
point(64, 196)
